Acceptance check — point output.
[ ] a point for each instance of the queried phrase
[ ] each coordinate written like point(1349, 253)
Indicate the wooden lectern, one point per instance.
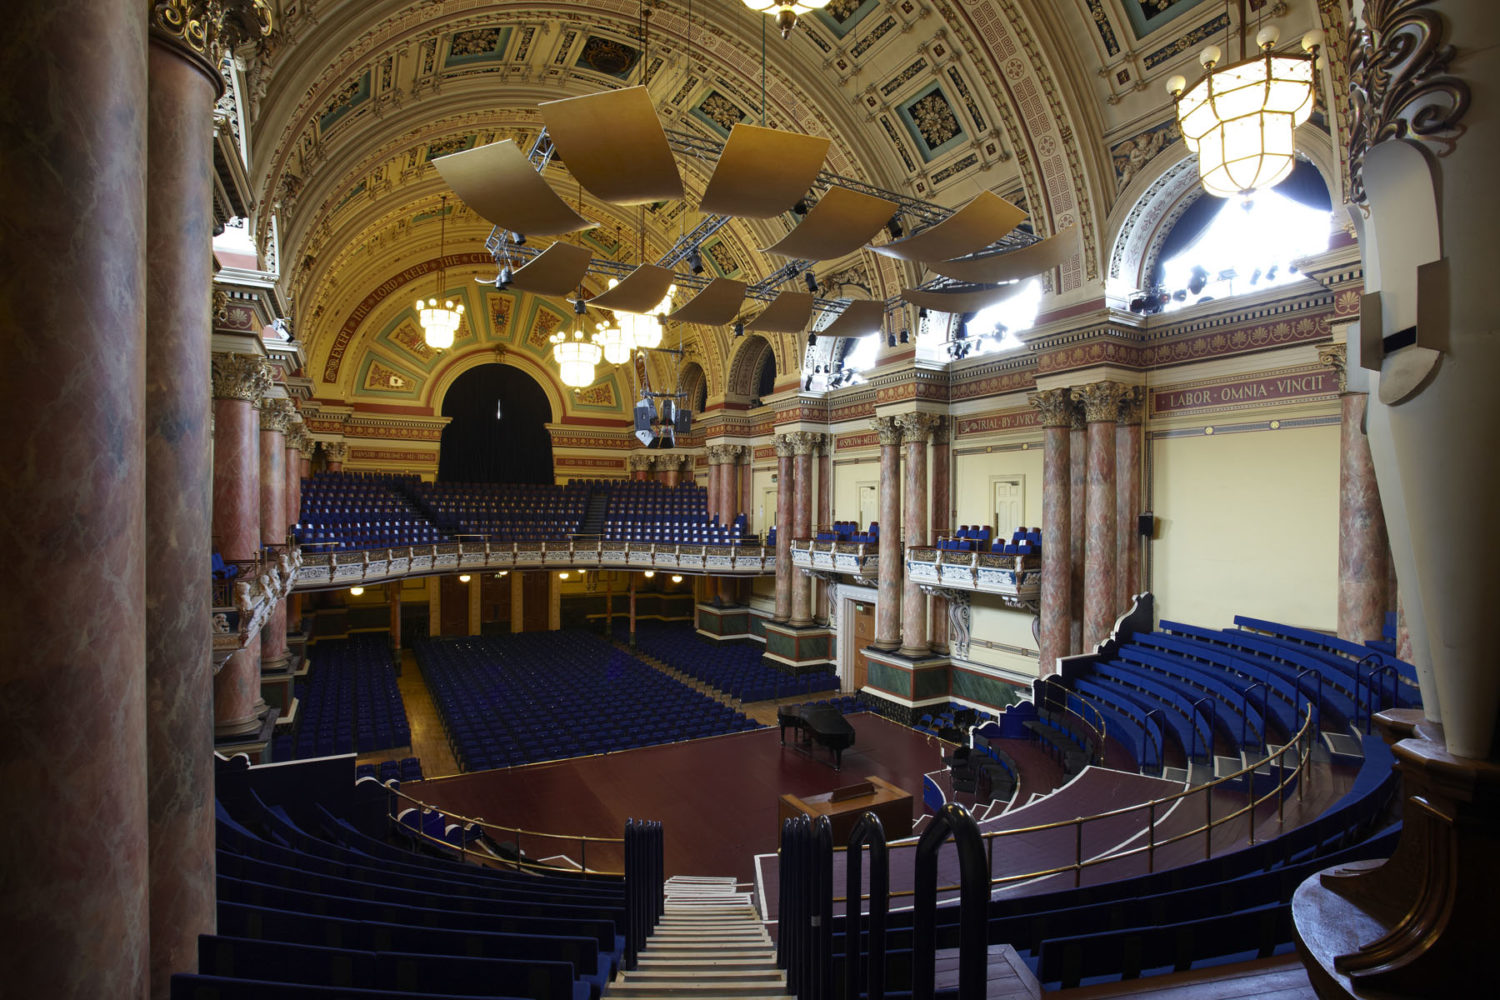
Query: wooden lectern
point(844, 806)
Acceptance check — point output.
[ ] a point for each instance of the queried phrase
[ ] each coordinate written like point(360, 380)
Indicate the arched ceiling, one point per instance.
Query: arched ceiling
point(1053, 104)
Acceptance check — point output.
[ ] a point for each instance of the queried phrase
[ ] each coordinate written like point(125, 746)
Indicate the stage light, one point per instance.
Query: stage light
point(812, 282)
point(463, 578)
point(519, 239)
point(801, 208)
point(356, 591)
point(905, 336)
point(739, 329)
point(894, 227)
point(695, 262)
point(890, 340)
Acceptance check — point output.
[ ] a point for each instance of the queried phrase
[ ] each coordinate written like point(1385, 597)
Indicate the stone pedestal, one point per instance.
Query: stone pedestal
point(914, 684)
point(796, 650)
point(721, 624)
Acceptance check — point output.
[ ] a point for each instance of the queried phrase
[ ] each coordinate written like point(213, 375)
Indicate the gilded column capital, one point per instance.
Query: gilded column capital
point(205, 29)
point(805, 442)
point(917, 427)
point(245, 377)
point(1336, 356)
point(888, 429)
point(1055, 406)
point(1101, 401)
point(1132, 405)
point(300, 439)
point(784, 446)
point(723, 454)
point(1079, 421)
point(336, 451)
point(276, 413)
point(639, 463)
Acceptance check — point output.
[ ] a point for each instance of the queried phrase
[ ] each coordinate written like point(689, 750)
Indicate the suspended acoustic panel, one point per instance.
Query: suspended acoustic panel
point(557, 270)
point(960, 302)
point(717, 304)
point(841, 222)
point(787, 313)
point(862, 317)
point(640, 292)
point(1024, 263)
point(762, 172)
point(973, 227)
point(499, 183)
point(614, 145)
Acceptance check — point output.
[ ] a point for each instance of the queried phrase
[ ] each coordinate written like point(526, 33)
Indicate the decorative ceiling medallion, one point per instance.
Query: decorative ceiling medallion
point(607, 56)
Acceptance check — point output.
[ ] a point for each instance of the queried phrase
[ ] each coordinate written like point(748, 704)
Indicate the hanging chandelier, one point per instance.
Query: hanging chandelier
point(440, 323)
point(642, 331)
point(612, 340)
point(785, 11)
point(575, 358)
point(1240, 118)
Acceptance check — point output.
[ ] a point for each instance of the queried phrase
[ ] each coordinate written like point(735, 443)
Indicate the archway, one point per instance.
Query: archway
point(498, 432)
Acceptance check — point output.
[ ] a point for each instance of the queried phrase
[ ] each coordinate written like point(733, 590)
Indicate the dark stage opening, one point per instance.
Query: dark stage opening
point(499, 429)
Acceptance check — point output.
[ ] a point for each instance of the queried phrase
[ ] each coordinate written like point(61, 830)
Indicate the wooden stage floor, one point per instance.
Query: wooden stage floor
point(716, 797)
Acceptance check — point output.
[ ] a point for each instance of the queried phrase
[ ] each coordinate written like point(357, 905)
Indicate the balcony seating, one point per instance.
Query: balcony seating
point(505, 512)
point(737, 670)
point(352, 511)
point(349, 701)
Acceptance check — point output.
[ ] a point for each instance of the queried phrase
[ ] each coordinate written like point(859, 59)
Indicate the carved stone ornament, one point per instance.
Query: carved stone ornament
point(207, 28)
point(916, 427)
point(1336, 356)
point(888, 429)
point(723, 454)
point(639, 463)
point(960, 617)
point(1080, 419)
point(240, 376)
point(784, 446)
point(805, 442)
point(1132, 405)
point(1055, 406)
point(1399, 83)
point(276, 414)
point(336, 451)
point(1101, 401)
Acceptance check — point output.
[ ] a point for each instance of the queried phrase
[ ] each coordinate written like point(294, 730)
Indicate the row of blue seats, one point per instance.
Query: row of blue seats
point(405, 769)
point(737, 670)
point(350, 701)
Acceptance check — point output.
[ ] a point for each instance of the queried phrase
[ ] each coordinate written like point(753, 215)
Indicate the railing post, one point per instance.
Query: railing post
point(632, 889)
point(1077, 851)
point(1151, 837)
point(869, 976)
point(1208, 821)
point(974, 894)
point(822, 910)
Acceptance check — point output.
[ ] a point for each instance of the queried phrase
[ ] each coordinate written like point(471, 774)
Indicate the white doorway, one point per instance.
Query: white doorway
point(766, 516)
point(869, 505)
point(1007, 503)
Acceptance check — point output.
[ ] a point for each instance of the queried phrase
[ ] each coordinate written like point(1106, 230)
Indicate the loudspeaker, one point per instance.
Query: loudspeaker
point(644, 412)
point(682, 420)
point(1145, 524)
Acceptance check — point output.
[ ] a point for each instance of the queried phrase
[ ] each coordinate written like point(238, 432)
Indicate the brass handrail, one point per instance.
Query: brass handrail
point(1301, 740)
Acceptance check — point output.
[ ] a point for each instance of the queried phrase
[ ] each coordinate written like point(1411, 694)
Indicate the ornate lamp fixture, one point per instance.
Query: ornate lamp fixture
point(575, 358)
point(642, 331)
point(786, 11)
point(439, 323)
point(1239, 118)
point(613, 342)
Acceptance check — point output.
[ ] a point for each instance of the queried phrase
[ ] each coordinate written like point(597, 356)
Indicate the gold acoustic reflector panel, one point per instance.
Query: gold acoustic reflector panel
point(557, 270)
point(960, 302)
point(640, 292)
point(973, 227)
point(862, 317)
point(717, 304)
point(499, 183)
point(841, 222)
point(614, 145)
point(1051, 252)
point(762, 172)
point(787, 313)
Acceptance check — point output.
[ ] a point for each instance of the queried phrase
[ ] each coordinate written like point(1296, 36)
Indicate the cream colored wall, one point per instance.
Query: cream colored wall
point(1247, 524)
point(847, 475)
point(975, 471)
point(1002, 626)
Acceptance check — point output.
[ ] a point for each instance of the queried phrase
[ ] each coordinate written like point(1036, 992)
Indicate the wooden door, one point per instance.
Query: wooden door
point(863, 620)
point(455, 606)
point(534, 599)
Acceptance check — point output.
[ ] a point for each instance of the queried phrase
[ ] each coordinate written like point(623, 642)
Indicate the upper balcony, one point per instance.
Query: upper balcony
point(1016, 579)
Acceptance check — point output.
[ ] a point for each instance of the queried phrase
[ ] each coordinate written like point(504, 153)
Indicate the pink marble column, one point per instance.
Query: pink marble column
point(293, 469)
point(1364, 553)
point(784, 528)
point(804, 443)
point(747, 486)
point(73, 183)
point(1056, 408)
point(179, 479)
point(824, 504)
point(238, 381)
point(337, 453)
point(307, 458)
point(728, 496)
point(1078, 480)
point(640, 467)
point(890, 574)
point(940, 516)
point(915, 429)
point(275, 414)
point(1101, 401)
point(672, 474)
point(713, 480)
point(1128, 433)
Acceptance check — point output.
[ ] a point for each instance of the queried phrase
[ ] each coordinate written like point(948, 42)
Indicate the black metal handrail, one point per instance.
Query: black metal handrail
point(974, 894)
point(644, 899)
point(867, 977)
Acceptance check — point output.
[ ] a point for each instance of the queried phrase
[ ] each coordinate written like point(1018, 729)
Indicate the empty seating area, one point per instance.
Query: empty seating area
point(405, 769)
point(737, 670)
point(672, 515)
point(979, 538)
point(849, 531)
point(349, 702)
point(311, 905)
point(505, 512)
point(516, 699)
point(343, 511)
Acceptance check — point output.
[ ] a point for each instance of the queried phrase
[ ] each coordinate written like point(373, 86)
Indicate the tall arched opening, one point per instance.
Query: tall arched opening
point(498, 432)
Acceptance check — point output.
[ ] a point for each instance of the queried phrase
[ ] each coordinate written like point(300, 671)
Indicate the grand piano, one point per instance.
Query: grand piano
point(822, 723)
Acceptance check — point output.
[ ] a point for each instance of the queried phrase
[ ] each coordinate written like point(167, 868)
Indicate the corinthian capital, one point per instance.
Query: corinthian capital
point(240, 376)
point(206, 28)
point(1101, 401)
point(1132, 405)
point(916, 427)
point(1055, 406)
point(1335, 356)
point(276, 413)
point(784, 446)
point(723, 454)
point(638, 463)
point(887, 429)
point(805, 442)
point(336, 451)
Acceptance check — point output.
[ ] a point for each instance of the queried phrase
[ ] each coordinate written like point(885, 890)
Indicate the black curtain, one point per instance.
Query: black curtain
point(499, 429)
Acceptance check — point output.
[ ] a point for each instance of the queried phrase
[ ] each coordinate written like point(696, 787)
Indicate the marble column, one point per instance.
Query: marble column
point(804, 443)
point(1128, 436)
point(275, 415)
point(784, 528)
point(1364, 552)
point(715, 457)
point(1078, 480)
point(393, 594)
point(640, 467)
point(671, 473)
point(293, 469)
point(729, 494)
point(435, 606)
point(179, 482)
point(1101, 403)
point(239, 380)
point(890, 575)
point(554, 602)
point(337, 453)
point(73, 210)
point(747, 487)
point(824, 519)
point(1056, 406)
point(940, 517)
point(915, 429)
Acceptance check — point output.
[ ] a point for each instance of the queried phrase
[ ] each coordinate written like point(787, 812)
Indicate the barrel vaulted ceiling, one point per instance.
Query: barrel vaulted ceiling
point(1056, 105)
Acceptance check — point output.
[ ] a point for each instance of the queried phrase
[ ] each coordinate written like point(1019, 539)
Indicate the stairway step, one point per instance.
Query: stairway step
point(706, 954)
point(648, 961)
point(638, 975)
point(694, 990)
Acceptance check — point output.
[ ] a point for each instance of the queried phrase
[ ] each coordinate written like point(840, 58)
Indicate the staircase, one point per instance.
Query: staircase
point(592, 524)
point(710, 944)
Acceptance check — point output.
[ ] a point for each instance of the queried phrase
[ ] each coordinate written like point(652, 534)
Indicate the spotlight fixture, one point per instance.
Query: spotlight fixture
point(921, 312)
point(503, 279)
point(807, 384)
point(801, 208)
point(812, 282)
point(519, 239)
point(739, 329)
point(1197, 280)
point(1271, 274)
point(905, 336)
point(812, 340)
point(579, 307)
point(890, 340)
point(894, 227)
point(695, 262)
